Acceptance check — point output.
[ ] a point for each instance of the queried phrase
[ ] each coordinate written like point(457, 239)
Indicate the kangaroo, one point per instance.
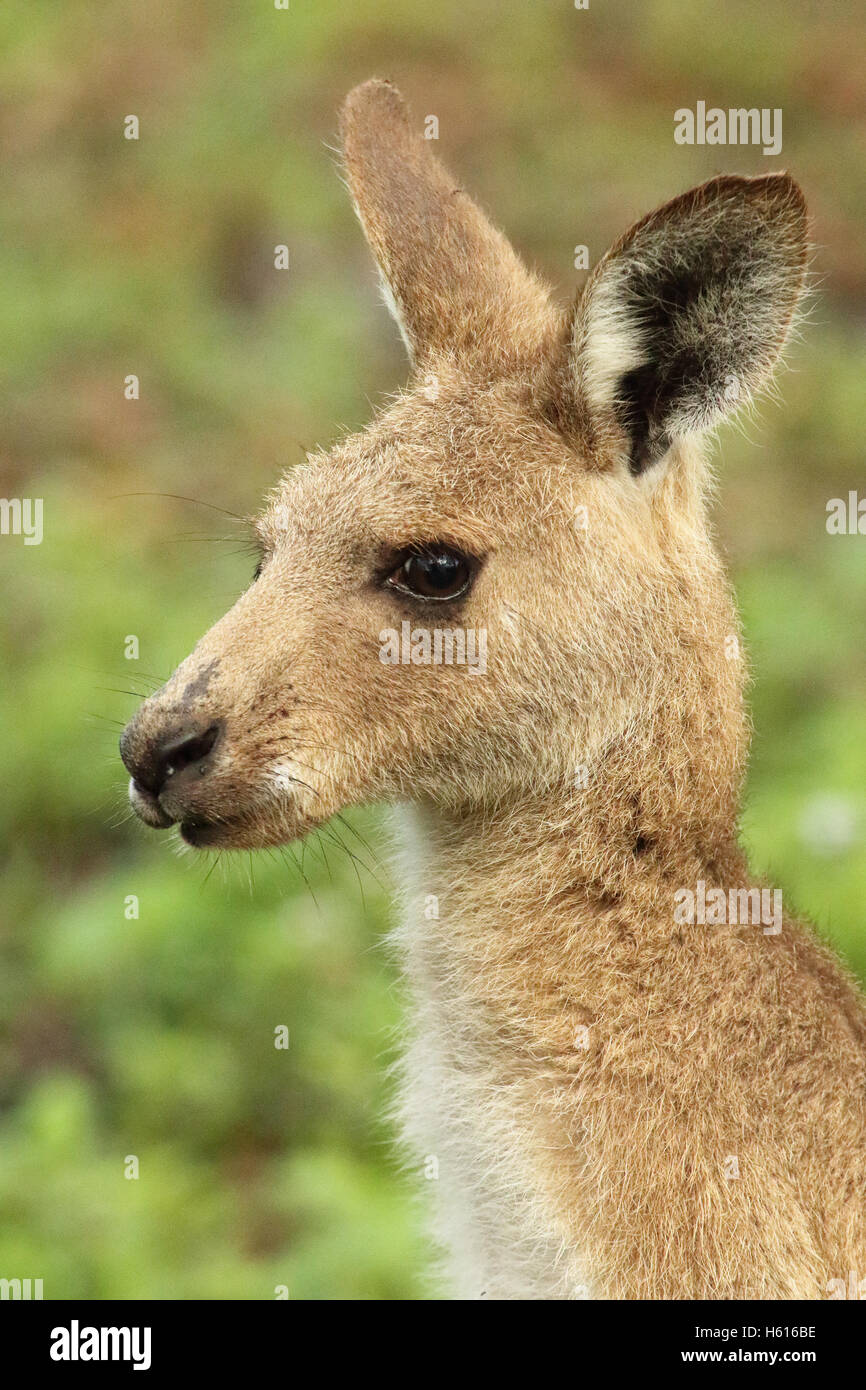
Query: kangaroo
point(626, 1098)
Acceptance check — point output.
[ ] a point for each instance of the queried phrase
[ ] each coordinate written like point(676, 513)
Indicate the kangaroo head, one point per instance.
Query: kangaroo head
point(535, 498)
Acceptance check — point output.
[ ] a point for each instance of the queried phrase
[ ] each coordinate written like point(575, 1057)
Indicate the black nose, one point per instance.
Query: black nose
point(152, 764)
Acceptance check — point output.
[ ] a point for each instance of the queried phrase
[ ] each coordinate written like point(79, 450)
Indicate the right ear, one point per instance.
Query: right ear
point(685, 317)
point(452, 281)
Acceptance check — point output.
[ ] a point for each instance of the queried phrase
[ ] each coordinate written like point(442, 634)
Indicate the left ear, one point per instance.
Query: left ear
point(453, 282)
point(685, 317)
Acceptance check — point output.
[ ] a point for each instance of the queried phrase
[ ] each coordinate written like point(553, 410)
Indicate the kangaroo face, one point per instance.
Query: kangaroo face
point(455, 515)
point(535, 499)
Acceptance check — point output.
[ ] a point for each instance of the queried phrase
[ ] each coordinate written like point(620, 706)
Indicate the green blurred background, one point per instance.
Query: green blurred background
point(154, 1036)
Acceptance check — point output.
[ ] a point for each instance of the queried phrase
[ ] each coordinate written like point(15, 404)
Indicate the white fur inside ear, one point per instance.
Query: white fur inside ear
point(390, 301)
point(607, 341)
point(388, 296)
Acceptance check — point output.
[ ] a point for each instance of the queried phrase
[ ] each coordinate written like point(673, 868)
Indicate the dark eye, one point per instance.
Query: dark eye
point(437, 572)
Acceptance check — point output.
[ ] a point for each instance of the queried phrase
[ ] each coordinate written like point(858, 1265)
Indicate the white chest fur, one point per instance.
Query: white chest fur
point(467, 1125)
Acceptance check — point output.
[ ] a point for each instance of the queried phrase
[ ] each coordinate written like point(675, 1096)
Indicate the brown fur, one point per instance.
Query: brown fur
point(582, 1065)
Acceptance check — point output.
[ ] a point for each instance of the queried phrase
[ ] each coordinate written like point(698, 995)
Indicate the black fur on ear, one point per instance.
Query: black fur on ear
point(685, 317)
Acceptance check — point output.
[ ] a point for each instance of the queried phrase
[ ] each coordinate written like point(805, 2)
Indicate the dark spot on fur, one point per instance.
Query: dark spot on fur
point(624, 933)
point(640, 406)
point(199, 685)
point(608, 902)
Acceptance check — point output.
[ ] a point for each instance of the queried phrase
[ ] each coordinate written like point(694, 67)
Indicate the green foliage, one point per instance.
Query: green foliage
point(153, 1036)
